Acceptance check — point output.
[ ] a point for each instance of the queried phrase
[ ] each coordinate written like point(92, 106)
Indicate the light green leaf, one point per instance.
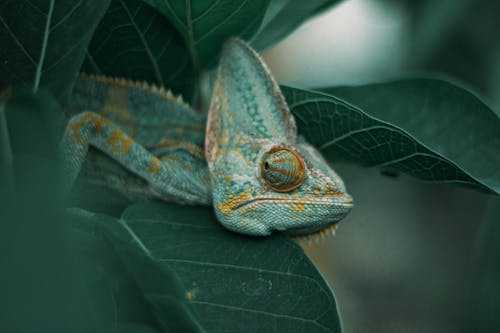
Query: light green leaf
point(430, 129)
point(135, 41)
point(231, 282)
point(287, 16)
point(204, 25)
point(43, 41)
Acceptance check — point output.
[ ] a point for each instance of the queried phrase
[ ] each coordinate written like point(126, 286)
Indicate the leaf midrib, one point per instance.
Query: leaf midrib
point(151, 57)
point(43, 51)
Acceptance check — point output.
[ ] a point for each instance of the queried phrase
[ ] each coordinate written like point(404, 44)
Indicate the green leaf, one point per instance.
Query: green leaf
point(205, 25)
point(117, 302)
point(55, 278)
point(34, 127)
point(135, 41)
point(284, 16)
point(429, 129)
point(230, 282)
point(159, 285)
point(35, 122)
point(43, 41)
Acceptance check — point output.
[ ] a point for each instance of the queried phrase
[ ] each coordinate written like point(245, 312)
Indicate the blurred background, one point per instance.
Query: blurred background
point(411, 256)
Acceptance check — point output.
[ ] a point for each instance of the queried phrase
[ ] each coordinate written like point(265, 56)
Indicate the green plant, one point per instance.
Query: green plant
point(162, 267)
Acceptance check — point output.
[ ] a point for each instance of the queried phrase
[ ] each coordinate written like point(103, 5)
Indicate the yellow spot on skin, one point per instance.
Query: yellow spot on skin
point(98, 122)
point(154, 166)
point(117, 99)
point(332, 190)
point(186, 167)
point(228, 206)
point(297, 206)
point(119, 142)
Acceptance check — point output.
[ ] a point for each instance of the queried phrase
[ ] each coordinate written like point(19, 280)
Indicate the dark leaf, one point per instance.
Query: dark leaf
point(116, 301)
point(135, 41)
point(230, 282)
point(429, 129)
point(205, 25)
point(43, 41)
point(159, 285)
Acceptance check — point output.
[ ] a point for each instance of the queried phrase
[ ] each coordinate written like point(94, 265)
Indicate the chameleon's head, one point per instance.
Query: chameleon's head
point(263, 178)
point(270, 186)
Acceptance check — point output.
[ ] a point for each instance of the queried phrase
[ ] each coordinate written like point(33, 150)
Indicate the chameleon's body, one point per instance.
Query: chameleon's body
point(256, 173)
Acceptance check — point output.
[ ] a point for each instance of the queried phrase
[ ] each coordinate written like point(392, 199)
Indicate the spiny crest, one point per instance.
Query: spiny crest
point(127, 83)
point(318, 236)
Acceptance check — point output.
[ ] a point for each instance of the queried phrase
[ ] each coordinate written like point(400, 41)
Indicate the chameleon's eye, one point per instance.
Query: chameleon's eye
point(282, 169)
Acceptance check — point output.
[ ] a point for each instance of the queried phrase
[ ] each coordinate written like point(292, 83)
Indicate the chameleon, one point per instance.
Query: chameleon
point(244, 156)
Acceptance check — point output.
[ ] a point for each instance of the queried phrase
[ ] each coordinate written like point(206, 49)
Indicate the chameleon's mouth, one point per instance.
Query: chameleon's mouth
point(344, 202)
point(299, 217)
point(308, 234)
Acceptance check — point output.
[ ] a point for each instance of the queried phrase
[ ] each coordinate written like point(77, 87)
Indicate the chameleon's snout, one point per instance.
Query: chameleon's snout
point(328, 223)
point(262, 214)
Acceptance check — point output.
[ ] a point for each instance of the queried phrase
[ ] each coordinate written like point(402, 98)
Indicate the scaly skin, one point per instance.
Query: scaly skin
point(152, 145)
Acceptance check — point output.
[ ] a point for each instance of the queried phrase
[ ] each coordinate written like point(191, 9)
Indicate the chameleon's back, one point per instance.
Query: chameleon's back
point(152, 116)
point(145, 112)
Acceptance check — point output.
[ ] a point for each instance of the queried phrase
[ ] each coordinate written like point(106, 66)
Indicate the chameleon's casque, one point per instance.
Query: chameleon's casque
point(256, 172)
point(249, 124)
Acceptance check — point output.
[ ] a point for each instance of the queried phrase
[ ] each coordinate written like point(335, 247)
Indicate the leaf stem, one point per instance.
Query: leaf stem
point(46, 33)
point(191, 43)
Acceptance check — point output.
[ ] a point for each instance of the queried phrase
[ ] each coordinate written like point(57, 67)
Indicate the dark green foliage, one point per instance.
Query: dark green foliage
point(426, 128)
point(204, 25)
point(227, 281)
point(43, 42)
point(135, 41)
point(168, 268)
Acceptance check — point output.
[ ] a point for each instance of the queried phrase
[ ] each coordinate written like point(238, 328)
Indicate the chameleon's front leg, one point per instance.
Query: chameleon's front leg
point(167, 178)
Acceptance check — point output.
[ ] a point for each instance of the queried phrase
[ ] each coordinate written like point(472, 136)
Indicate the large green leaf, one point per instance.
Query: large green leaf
point(204, 25)
point(135, 41)
point(159, 284)
point(284, 16)
point(43, 41)
point(117, 302)
point(59, 273)
point(429, 129)
point(231, 282)
point(55, 278)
